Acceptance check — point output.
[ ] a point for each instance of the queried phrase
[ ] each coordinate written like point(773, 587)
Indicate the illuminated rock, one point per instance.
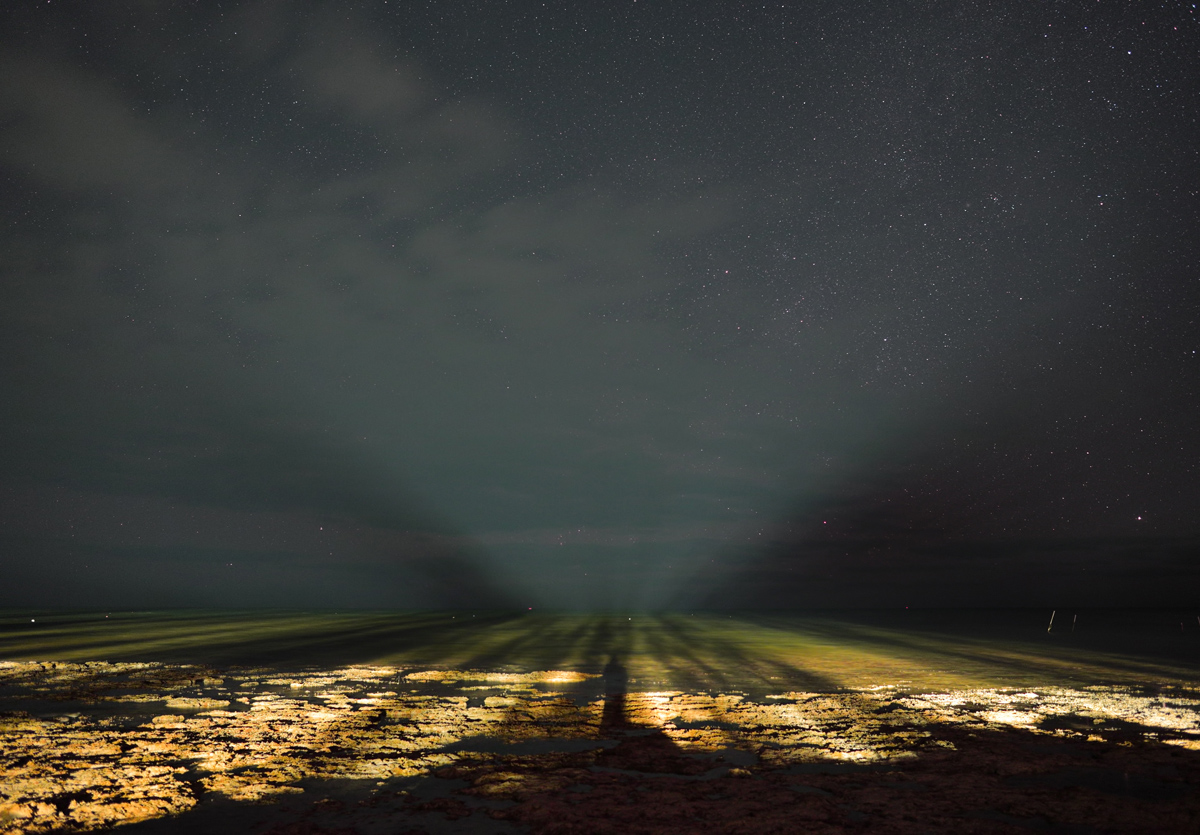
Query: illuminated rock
point(239, 738)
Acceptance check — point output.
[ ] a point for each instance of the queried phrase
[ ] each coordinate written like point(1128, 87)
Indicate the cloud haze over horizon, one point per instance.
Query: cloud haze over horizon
point(606, 306)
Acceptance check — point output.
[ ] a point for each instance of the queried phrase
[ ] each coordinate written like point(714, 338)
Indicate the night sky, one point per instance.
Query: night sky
point(602, 305)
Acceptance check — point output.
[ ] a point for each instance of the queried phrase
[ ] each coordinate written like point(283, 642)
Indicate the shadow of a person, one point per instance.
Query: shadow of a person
point(641, 747)
point(616, 685)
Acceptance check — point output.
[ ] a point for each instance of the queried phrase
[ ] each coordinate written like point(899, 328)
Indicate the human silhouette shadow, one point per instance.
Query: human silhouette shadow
point(642, 748)
point(616, 686)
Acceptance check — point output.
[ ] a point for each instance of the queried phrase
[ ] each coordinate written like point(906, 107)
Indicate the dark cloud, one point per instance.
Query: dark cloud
point(587, 309)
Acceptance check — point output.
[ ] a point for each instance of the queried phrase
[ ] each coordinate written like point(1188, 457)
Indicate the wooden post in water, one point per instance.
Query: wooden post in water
point(1073, 620)
point(1052, 611)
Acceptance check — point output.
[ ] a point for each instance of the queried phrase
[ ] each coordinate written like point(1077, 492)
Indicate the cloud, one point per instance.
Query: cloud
point(297, 272)
point(348, 76)
point(71, 129)
point(279, 341)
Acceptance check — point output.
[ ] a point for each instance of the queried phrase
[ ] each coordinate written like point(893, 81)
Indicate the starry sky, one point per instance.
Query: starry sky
point(631, 305)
